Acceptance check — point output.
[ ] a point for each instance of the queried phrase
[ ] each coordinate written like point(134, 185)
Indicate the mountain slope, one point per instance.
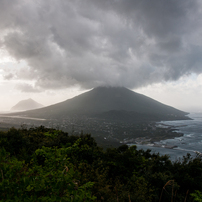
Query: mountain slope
point(26, 105)
point(109, 102)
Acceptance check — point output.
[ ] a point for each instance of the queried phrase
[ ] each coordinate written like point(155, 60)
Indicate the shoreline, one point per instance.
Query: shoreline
point(166, 132)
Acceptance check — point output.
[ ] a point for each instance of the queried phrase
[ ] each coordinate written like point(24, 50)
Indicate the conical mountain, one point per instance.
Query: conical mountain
point(26, 105)
point(109, 102)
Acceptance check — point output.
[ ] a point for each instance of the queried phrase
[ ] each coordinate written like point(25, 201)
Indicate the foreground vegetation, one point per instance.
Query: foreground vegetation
point(40, 164)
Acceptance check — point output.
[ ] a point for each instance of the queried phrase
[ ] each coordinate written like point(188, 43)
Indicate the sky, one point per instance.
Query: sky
point(53, 50)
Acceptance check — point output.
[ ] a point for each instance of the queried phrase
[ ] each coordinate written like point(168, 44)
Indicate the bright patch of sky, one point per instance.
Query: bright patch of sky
point(184, 94)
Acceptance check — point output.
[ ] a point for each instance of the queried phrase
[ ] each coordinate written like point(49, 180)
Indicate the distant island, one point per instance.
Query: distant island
point(28, 104)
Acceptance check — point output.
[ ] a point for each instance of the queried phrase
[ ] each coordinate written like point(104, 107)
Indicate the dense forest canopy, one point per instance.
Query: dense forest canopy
point(41, 164)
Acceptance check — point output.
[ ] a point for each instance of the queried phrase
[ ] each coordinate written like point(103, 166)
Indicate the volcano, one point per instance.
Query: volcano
point(115, 103)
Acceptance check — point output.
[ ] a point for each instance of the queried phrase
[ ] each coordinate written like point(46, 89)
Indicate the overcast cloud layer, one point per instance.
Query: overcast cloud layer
point(89, 43)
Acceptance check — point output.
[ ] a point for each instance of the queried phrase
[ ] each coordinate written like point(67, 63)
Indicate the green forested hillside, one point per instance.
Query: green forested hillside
point(40, 164)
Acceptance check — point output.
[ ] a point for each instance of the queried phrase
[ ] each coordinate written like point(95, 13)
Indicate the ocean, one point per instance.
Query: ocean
point(190, 142)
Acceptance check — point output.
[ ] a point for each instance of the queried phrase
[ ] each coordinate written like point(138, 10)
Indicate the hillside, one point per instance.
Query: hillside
point(110, 103)
point(26, 105)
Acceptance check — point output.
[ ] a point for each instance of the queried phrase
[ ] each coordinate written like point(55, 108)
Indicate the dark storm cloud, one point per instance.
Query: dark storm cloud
point(89, 43)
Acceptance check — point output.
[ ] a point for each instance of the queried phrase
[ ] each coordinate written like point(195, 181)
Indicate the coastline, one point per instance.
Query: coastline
point(187, 138)
point(113, 134)
point(165, 132)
